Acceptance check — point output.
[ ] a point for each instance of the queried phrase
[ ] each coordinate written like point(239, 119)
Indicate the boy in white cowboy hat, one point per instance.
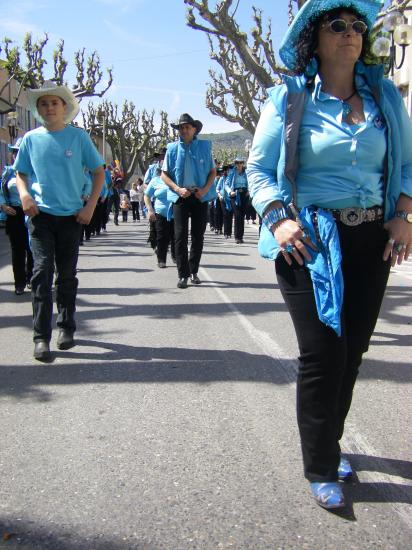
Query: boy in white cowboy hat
point(55, 156)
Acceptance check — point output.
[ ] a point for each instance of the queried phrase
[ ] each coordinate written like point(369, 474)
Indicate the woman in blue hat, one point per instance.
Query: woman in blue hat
point(10, 204)
point(330, 172)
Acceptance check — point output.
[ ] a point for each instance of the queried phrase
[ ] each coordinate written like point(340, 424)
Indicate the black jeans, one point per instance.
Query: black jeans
point(135, 210)
point(219, 215)
point(164, 235)
point(227, 219)
point(21, 256)
point(55, 242)
point(182, 209)
point(239, 211)
point(328, 364)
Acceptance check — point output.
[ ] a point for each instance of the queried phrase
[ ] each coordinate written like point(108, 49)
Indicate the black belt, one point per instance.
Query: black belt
point(354, 215)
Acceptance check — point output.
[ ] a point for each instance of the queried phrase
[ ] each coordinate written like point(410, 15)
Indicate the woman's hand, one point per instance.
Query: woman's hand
point(152, 216)
point(289, 234)
point(399, 245)
point(8, 210)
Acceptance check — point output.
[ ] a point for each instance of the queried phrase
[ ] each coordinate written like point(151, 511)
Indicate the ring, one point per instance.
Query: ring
point(399, 247)
point(289, 248)
point(391, 241)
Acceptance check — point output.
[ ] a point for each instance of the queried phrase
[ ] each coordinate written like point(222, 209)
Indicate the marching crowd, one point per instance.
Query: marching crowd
point(330, 176)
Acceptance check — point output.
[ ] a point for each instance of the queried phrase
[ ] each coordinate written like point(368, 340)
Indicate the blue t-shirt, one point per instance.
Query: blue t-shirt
point(57, 161)
point(157, 191)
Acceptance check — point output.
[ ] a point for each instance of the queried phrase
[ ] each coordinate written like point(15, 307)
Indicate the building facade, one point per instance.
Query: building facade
point(25, 120)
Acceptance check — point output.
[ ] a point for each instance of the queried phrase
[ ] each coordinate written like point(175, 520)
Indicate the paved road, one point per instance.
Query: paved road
point(172, 426)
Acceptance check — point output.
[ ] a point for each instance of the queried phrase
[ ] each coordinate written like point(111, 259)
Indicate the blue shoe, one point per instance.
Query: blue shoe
point(345, 471)
point(328, 495)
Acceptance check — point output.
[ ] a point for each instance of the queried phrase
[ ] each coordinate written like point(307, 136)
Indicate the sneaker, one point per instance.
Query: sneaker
point(162, 265)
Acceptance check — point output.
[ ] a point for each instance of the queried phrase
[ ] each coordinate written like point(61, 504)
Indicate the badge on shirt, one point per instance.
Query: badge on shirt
point(68, 153)
point(379, 122)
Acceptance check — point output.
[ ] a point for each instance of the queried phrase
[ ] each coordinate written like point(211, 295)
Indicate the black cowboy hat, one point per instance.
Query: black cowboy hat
point(187, 119)
point(160, 153)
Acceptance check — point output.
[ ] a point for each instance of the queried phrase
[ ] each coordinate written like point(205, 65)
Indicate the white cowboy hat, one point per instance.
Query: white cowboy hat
point(51, 88)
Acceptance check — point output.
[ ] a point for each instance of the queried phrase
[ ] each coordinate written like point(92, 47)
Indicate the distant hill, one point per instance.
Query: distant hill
point(229, 140)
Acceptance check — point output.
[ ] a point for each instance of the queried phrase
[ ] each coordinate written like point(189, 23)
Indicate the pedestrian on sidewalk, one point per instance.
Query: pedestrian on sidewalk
point(135, 202)
point(124, 206)
point(189, 171)
point(55, 156)
point(160, 212)
point(335, 195)
point(16, 229)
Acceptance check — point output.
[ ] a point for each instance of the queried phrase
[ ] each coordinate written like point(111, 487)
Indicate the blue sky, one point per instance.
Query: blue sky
point(158, 61)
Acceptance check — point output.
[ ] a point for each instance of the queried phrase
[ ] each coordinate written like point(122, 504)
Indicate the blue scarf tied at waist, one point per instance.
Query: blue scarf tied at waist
point(325, 266)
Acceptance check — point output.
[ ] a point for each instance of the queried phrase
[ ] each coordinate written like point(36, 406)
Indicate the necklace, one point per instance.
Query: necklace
point(347, 107)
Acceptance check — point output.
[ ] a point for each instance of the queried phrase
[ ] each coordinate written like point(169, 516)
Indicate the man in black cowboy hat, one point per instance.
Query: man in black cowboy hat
point(189, 171)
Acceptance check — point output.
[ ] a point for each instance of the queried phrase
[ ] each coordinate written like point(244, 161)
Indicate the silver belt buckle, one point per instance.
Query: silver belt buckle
point(352, 216)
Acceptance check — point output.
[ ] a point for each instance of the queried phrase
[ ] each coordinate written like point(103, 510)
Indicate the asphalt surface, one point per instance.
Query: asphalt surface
point(171, 424)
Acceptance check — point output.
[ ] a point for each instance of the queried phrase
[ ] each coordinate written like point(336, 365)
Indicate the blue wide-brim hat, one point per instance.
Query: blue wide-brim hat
point(311, 10)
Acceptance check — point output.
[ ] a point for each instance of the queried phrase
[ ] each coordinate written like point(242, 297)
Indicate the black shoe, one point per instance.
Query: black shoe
point(239, 241)
point(65, 339)
point(42, 351)
point(182, 282)
point(19, 290)
point(194, 279)
point(161, 265)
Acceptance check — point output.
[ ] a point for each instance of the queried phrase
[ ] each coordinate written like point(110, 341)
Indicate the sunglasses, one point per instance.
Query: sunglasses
point(340, 26)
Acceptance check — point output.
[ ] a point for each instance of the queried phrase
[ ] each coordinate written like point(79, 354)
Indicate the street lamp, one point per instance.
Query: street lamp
point(12, 125)
point(400, 35)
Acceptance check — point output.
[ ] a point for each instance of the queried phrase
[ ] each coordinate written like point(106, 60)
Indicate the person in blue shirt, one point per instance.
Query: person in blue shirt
point(237, 190)
point(224, 202)
point(159, 210)
point(330, 172)
point(151, 173)
point(189, 171)
point(16, 229)
point(55, 156)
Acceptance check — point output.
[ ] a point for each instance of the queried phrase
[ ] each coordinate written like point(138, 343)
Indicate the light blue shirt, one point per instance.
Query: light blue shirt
point(57, 161)
point(188, 178)
point(157, 192)
point(14, 197)
point(240, 180)
point(340, 165)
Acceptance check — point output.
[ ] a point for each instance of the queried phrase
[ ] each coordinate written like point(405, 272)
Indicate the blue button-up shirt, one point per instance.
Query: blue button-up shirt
point(340, 165)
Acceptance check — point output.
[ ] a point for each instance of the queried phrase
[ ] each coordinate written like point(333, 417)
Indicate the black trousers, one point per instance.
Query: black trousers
point(239, 211)
point(55, 242)
point(197, 211)
point(135, 210)
point(212, 215)
point(219, 215)
point(227, 220)
point(21, 256)
point(165, 234)
point(328, 364)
